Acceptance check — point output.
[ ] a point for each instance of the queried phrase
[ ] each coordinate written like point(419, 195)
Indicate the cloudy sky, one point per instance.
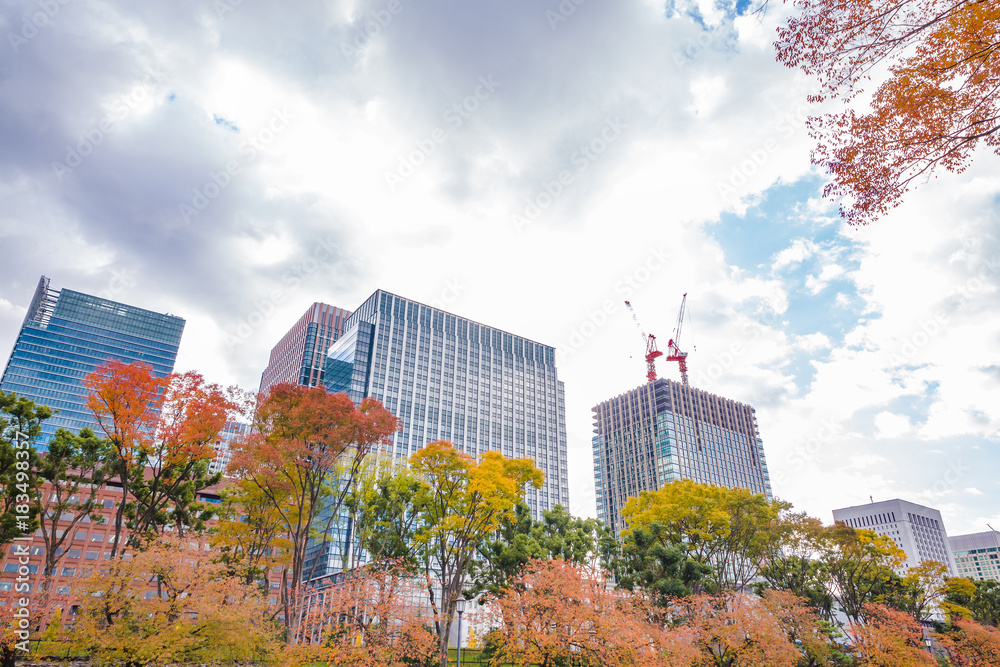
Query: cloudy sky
point(527, 164)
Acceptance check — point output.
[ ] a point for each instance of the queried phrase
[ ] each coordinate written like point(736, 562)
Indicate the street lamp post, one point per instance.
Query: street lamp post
point(460, 608)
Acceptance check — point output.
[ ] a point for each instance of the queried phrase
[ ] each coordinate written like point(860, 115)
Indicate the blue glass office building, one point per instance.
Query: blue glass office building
point(449, 378)
point(664, 431)
point(67, 334)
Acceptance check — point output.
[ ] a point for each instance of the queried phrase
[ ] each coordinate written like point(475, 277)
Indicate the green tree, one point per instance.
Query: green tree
point(791, 563)
point(731, 530)
point(980, 598)
point(75, 469)
point(647, 560)
point(162, 432)
point(862, 566)
point(20, 425)
point(520, 539)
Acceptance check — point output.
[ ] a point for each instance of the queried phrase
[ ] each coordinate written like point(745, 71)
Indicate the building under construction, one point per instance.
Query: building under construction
point(665, 431)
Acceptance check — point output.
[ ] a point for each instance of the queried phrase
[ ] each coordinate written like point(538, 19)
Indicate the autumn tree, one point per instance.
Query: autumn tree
point(380, 508)
point(305, 439)
point(560, 613)
point(814, 638)
point(75, 469)
point(938, 62)
point(162, 432)
point(926, 586)
point(791, 563)
point(170, 604)
point(248, 537)
point(460, 504)
point(859, 562)
point(888, 638)
point(20, 425)
point(971, 644)
point(366, 618)
point(736, 628)
point(729, 529)
point(980, 599)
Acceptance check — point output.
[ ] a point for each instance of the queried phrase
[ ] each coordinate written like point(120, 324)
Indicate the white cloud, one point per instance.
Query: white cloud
point(892, 425)
point(818, 282)
point(908, 324)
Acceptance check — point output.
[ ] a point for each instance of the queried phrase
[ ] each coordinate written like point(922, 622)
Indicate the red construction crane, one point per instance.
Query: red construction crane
point(650, 341)
point(673, 346)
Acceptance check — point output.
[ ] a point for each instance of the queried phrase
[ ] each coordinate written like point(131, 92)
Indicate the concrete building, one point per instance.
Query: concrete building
point(299, 356)
point(977, 555)
point(665, 431)
point(449, 378)
point(66, 335)
point(917, 530)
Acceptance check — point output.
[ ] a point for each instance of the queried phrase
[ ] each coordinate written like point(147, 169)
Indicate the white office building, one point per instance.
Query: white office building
point(977, 555)
point(917, 530)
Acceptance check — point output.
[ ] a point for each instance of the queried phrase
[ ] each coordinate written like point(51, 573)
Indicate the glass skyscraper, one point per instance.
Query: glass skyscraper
point(299, 356)
point(66, 335)
point(665, 431)
point(449, 378)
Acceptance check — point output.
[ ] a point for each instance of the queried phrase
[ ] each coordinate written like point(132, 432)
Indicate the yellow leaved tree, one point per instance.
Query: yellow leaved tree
point(460, 503)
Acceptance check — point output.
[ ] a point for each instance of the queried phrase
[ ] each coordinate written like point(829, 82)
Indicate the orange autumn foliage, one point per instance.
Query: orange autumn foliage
point(738, 629)
point(971, 644)
point(367, 619)
point(162, 431)
point(939, 96)
point(172, 604)
point(303, 455)
point(888, 638)
point(558, 611)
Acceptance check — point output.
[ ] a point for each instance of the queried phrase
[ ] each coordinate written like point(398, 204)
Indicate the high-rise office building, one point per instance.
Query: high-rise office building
point(299, 356)
point(223, 451)
point(665, 431)
point(976, 555)
point(449, 378)
point(67, 334)
point(917, 530)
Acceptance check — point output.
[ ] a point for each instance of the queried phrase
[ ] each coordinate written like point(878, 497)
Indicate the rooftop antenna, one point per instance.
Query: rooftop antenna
point(991, 528)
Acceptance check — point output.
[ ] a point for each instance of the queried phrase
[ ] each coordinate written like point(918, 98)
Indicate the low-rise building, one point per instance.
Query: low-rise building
point(917, 530)
point(977, 555)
